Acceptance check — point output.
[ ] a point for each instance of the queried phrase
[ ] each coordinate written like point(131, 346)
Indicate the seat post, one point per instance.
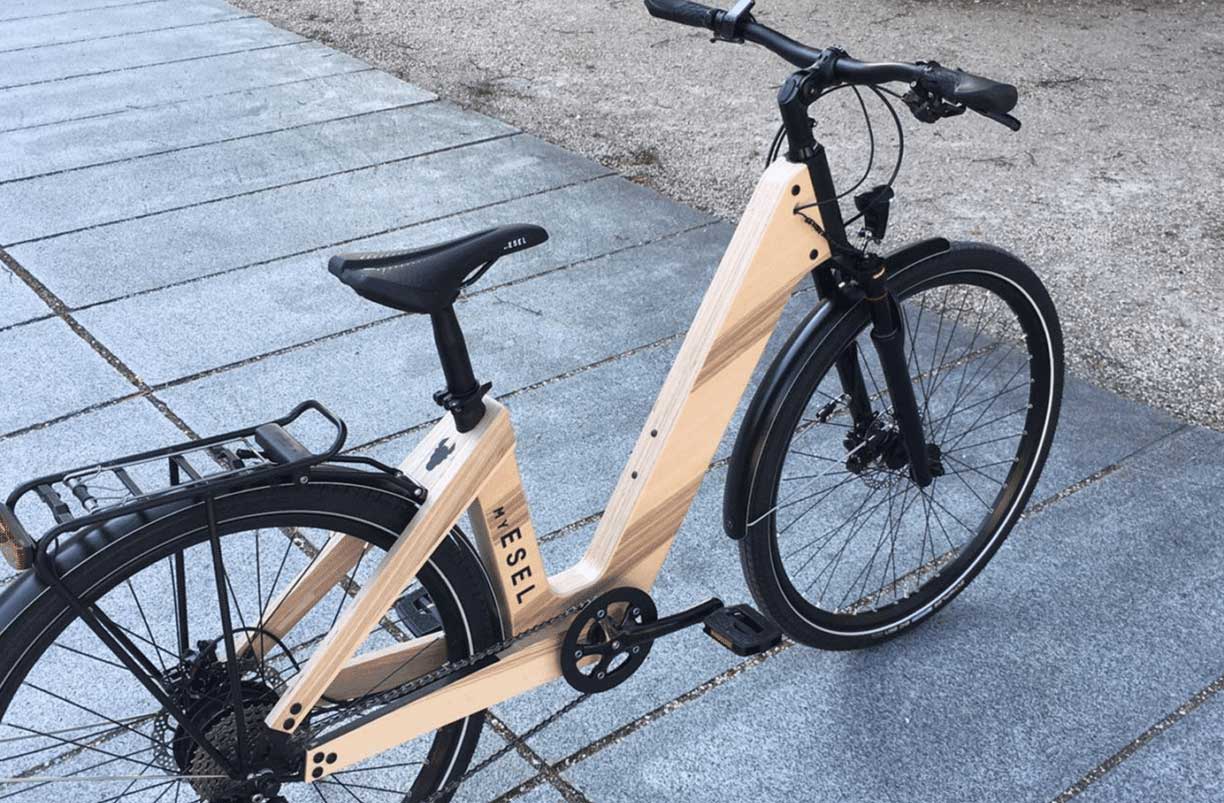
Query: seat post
point(463, 395)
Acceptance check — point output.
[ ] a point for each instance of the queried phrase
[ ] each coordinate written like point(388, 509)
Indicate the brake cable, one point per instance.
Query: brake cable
point(880, 92)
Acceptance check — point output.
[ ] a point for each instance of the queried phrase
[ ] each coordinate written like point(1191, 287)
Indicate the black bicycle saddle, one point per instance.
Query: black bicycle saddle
point(428, 280)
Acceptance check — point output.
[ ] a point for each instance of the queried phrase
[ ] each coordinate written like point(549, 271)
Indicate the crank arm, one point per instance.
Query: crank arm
point(650, 631)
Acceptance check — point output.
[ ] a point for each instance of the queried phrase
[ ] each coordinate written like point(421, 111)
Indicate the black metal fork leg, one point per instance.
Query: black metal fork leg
point(888, 336)
point(850, 372)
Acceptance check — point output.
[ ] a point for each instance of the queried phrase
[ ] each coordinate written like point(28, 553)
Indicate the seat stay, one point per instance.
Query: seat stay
point(451, 466)
point(772, 250)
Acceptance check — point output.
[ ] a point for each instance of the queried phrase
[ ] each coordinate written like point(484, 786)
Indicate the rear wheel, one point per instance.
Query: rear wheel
point(76, 725)
point(843, 549)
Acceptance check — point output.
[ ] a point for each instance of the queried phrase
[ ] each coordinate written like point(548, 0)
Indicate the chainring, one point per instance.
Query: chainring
point(593, 659)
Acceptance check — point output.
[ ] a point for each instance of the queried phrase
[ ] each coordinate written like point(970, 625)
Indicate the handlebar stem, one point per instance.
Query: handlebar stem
point(800, 91)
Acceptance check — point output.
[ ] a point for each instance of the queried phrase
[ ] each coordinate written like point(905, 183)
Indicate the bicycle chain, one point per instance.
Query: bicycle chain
point(449, 669)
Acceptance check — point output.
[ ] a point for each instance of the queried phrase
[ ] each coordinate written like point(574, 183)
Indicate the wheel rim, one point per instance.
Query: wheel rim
point(977, 335)
point(61, 739)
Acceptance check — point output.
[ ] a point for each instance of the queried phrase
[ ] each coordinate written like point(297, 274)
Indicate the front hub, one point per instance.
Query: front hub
point(880, 447)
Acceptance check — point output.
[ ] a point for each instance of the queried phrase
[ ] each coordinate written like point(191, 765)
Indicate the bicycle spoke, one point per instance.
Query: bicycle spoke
point(348, 786)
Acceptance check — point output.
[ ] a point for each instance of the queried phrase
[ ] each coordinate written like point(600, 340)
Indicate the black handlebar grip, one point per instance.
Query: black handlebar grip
point(683, 12)
point(977, 93)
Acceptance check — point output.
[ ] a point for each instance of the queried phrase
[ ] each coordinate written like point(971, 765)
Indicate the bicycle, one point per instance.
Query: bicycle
point(384, 631)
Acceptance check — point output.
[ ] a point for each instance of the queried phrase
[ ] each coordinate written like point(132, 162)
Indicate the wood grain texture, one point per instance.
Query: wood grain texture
point(507, 543)
point(389, 667)
point(522, 669)
point(451, 466)
point(772, 250)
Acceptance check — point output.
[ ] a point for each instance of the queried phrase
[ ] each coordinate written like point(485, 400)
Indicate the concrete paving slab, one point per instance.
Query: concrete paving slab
point(1037, 666)
point(1181, 765)
point(71, 201)
point(301, 301)
point(22, 9)
point(17, 301)
point(51, 372)
point(116, 260)
point(113, 21)
point(177, 44)
point(93, 95)
point(381, 376)
point(544, 793)
point(142, 131)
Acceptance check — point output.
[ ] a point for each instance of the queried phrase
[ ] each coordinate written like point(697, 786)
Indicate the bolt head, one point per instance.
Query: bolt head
point(602, 675)
point(636, 650)
point(577, 653)
point(601, 614)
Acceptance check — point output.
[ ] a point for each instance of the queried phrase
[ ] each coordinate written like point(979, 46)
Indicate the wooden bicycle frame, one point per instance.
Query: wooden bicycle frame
point(476, 472)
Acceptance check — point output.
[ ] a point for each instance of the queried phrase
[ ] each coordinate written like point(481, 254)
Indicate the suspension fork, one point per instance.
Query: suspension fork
point(887, 333)
point(888, 337)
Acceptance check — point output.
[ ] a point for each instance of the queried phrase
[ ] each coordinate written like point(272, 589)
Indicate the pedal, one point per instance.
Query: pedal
point(742, 630)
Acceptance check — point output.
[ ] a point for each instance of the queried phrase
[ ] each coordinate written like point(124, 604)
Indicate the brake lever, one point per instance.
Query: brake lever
point(1002, 119)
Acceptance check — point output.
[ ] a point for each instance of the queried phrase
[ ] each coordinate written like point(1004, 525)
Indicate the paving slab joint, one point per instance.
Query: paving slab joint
point(1097, 476)
point(545, 771)
point(60, 309)
point(1142, 740)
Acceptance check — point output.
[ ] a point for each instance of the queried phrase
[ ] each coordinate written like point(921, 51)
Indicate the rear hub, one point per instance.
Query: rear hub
point(268, 757)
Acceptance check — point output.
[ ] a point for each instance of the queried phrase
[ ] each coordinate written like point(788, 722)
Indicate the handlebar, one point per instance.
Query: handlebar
point(993, 99)
point(683, 12)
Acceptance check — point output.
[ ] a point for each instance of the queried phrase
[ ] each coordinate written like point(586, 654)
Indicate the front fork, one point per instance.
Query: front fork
point(888, 338)
point(869, 272)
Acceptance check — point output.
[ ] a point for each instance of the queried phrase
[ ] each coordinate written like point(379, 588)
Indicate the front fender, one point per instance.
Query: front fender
point(777, 383)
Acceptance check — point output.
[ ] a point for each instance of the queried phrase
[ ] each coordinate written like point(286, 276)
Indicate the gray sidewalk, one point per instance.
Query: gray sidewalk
point(173, 175)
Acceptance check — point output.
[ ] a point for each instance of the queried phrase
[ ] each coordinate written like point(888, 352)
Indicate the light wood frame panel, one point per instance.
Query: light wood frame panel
point(772, 250)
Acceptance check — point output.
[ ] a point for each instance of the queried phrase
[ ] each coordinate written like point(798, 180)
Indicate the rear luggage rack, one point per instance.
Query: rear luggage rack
point(200, 469)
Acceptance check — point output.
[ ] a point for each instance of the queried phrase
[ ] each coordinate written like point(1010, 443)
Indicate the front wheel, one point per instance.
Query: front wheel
point(842, 548)
point(76, 725)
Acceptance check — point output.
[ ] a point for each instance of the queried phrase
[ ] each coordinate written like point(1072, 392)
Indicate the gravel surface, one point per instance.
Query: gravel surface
point(1109, 191)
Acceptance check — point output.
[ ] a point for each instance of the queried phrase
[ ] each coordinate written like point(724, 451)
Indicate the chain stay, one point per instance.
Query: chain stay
point(448, 669)
point(452, 667)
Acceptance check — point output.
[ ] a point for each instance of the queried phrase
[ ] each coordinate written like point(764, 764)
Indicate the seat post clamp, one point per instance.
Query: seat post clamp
point(468, 408)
